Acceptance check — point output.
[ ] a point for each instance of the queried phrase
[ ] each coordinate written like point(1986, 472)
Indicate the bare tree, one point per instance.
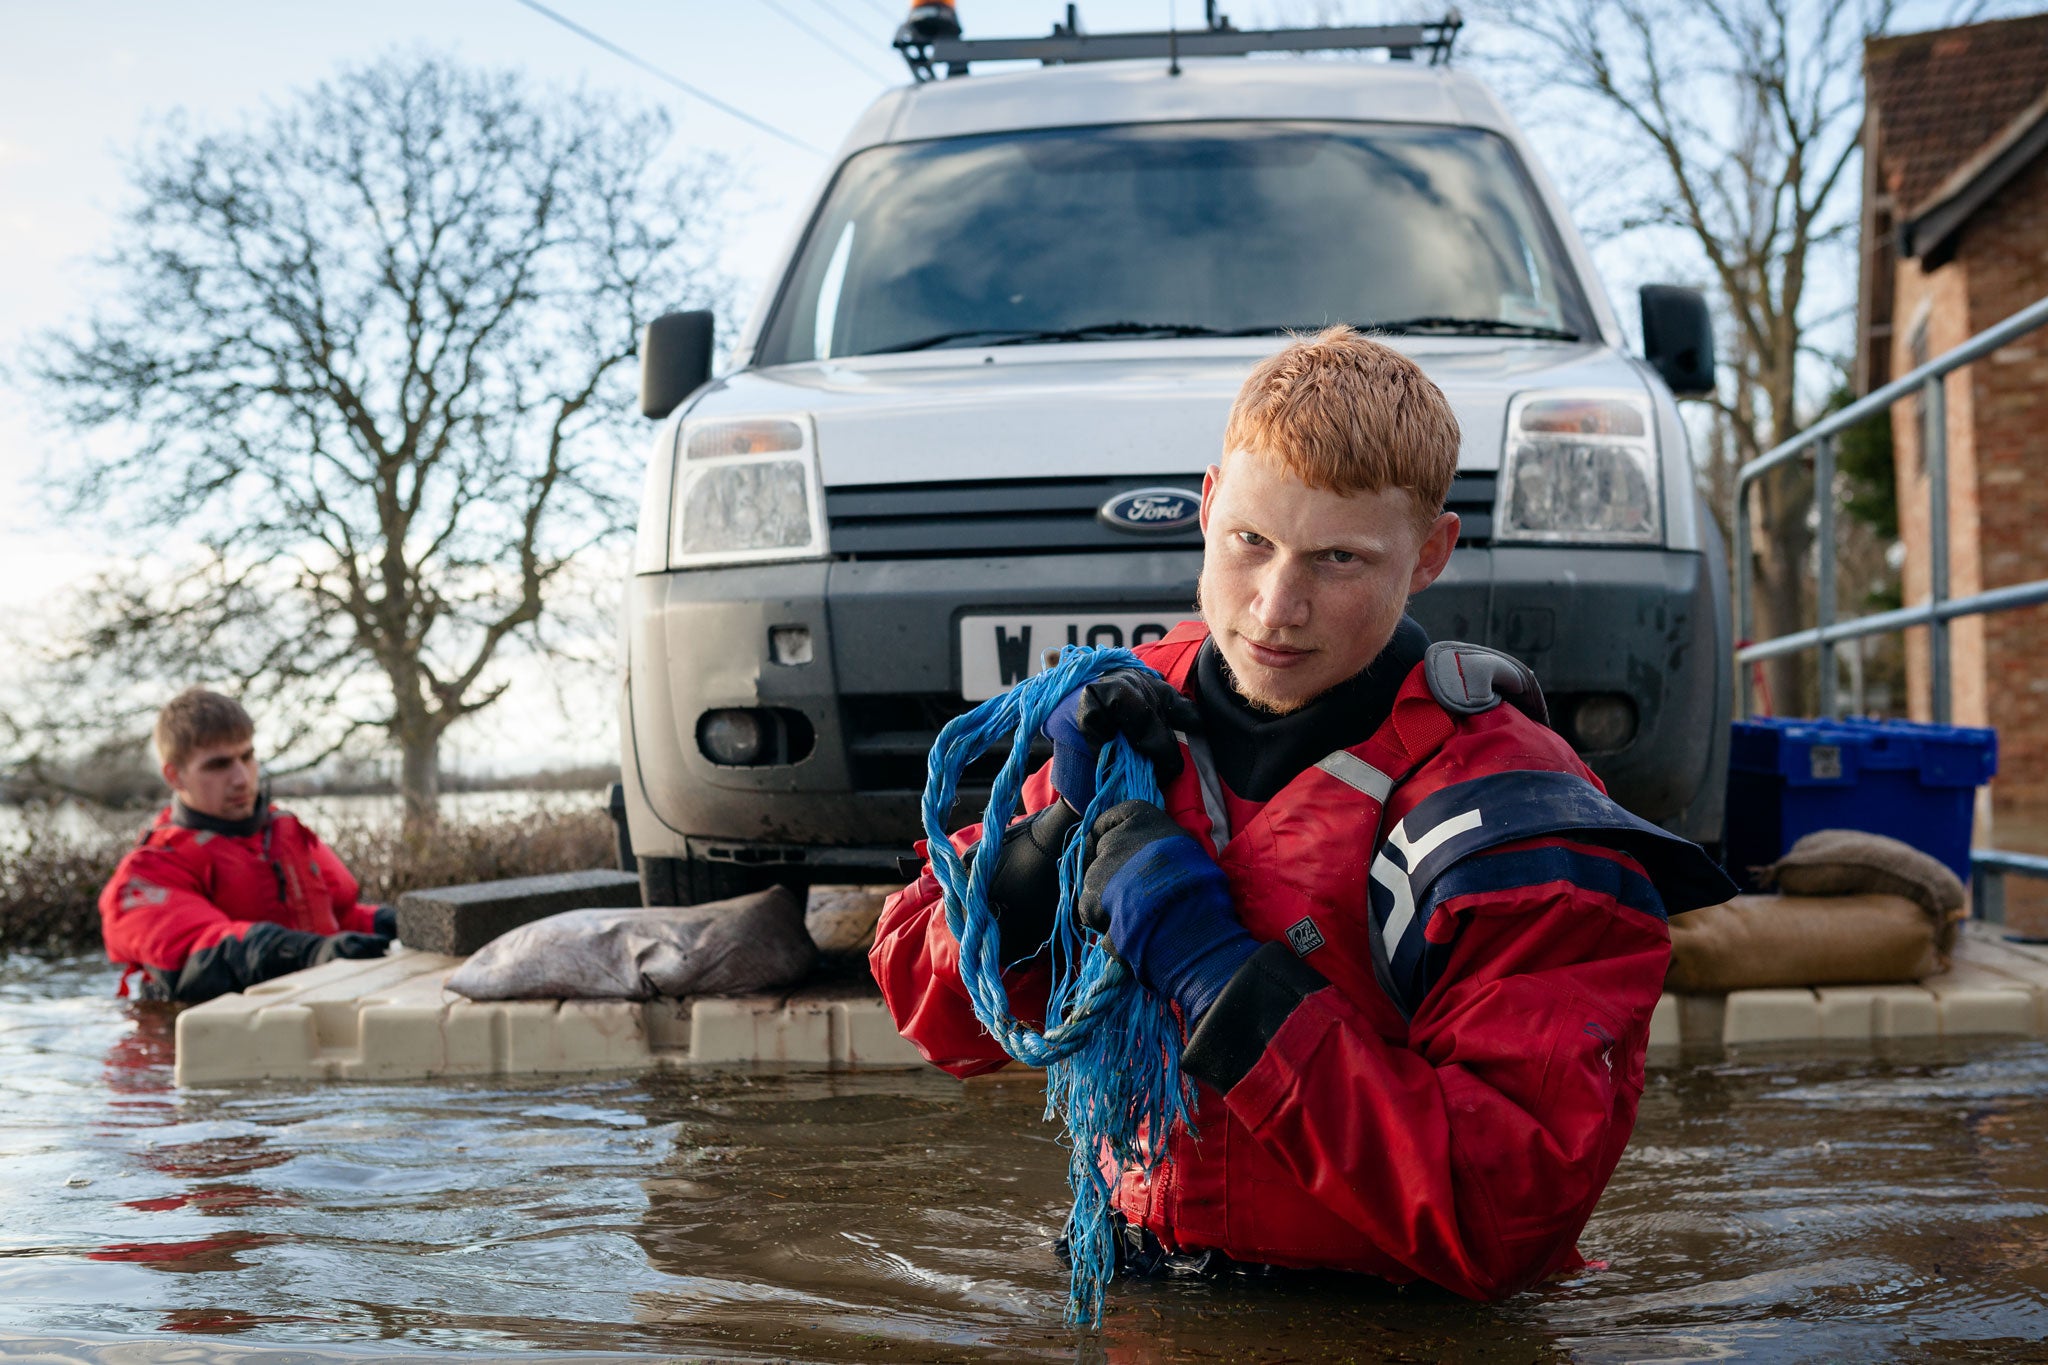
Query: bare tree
point(356, 397)
point(1743, 119)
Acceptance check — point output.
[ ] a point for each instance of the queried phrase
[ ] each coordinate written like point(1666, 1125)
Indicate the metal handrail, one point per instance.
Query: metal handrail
point(1989, 867)
point(1938, 610)
point(1899, 618)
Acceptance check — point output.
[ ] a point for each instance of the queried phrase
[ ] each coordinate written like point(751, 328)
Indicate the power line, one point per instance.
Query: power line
point(851, 60)
point(676, 81)
point(879, 8)
point(866, 34)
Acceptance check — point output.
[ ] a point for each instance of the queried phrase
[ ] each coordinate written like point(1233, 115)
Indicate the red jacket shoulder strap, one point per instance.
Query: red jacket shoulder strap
point(1414, 730)
point(1174, 656)
point(161, 833)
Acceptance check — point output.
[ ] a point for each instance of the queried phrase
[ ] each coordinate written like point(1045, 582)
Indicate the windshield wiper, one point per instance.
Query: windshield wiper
point(1097, 330)
point(964, 334)
point(1027, 336)
point(1490, 327)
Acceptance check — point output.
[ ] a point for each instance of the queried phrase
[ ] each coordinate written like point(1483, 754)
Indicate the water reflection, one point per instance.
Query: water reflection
point(218, 1252)
point(1871, 1208)
point(140, 1061)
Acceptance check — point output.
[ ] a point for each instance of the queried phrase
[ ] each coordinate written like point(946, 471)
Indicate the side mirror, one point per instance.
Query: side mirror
point(675, 360)
point(1678, 338)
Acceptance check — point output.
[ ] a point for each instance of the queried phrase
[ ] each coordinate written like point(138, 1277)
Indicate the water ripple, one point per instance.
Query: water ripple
point(1880, 1208)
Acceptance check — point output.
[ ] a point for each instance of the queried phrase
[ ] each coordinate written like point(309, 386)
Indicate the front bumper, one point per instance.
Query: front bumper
point(884, 676)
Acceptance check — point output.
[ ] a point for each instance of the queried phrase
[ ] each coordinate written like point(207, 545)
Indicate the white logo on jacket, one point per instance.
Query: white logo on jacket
point(1394, 876)
point(138, 893)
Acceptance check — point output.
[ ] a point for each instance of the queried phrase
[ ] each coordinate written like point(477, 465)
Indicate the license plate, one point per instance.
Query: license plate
point(998, 652)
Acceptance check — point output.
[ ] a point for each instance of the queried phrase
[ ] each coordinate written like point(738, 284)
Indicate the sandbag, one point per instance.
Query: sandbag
point(732, 947)
point(1759, 942)
point(842, 918)
point(1849, 862)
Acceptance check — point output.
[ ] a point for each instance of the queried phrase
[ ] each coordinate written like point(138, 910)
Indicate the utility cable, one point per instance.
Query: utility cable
point(851, 60)
point(867, 34)
point(678, 82)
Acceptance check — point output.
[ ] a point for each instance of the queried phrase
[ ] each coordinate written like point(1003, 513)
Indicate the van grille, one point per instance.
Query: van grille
point(989, 517)
point(1038, 516)
point(889, 736)
point(1472, 499)
point(889, 741)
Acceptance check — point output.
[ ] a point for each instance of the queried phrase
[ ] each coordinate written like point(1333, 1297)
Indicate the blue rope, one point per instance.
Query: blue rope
point(1110, 1048)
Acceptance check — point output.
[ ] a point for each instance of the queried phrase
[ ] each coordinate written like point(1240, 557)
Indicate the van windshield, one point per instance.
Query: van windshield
point(1183, 229)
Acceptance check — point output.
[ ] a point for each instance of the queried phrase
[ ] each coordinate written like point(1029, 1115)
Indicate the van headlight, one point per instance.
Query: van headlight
point(1580, 468)
point(746, 490)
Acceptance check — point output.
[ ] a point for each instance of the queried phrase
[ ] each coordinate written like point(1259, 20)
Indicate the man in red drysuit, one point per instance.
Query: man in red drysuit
point(1413, 945)
point(224, 889)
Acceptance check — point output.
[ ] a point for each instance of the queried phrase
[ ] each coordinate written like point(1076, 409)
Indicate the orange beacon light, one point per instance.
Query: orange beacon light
point(930, 19)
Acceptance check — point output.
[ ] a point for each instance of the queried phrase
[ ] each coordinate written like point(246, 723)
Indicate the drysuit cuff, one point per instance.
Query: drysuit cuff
point(1237, 1029)
point(222, 967)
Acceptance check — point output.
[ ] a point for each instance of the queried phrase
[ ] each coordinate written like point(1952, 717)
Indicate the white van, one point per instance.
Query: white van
point(969, 419)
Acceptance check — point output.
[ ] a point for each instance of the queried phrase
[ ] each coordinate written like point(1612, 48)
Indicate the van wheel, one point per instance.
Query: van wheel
point(690, 881)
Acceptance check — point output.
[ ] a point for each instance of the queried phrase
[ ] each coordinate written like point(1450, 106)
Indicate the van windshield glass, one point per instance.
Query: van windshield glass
point(1186, 229)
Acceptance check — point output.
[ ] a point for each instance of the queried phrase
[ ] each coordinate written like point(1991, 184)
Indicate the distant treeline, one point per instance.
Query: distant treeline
point(128, 785)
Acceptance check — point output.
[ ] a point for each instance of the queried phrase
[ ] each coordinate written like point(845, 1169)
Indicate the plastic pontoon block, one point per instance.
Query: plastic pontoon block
point(1664, 1031)
point(1772, 1016)
point(1857, 1014)
point(392, 1019)
point(1977, 1000)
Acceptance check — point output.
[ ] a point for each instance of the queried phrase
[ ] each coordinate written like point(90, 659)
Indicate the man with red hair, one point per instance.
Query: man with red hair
point(1413, 946)
point(224, 889)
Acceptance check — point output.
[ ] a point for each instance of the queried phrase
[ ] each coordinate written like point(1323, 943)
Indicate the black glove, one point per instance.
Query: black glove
point(1025, 896)
point(1136, 703)
point(264, 951)
point(385, 922)
point(328, 947)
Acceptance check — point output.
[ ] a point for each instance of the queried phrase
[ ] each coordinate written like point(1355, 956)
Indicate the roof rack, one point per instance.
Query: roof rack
point(927, 45)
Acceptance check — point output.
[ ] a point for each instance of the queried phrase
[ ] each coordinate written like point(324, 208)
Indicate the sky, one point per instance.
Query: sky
point(80, 83)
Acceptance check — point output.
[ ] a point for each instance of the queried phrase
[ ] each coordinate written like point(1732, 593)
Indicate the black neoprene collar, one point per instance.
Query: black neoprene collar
point(185, 817)
point(1258, 753)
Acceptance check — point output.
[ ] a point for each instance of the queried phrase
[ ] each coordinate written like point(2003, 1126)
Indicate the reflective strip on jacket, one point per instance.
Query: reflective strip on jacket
point(1445, 1094)
point(182, 890)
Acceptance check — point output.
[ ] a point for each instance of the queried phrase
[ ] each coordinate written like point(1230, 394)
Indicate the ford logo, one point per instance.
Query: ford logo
point(1151, 511)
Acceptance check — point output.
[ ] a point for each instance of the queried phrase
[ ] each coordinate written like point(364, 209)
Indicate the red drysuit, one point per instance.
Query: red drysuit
point(182, 890)
point(1431, 1067)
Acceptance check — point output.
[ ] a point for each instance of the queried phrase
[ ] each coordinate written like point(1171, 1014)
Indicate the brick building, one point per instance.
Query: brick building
point(1955, 239)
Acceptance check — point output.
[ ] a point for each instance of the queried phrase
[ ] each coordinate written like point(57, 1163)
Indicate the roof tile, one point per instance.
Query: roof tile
point(1940, 96)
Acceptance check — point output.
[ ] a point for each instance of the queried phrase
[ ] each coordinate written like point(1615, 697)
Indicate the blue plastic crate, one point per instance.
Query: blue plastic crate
point(1917, 783)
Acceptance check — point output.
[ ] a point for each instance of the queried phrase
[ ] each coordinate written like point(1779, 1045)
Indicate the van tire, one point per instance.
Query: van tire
point(691, 881)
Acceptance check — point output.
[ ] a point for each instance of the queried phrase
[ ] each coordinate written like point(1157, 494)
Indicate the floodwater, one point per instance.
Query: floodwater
point(1854, 1208)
